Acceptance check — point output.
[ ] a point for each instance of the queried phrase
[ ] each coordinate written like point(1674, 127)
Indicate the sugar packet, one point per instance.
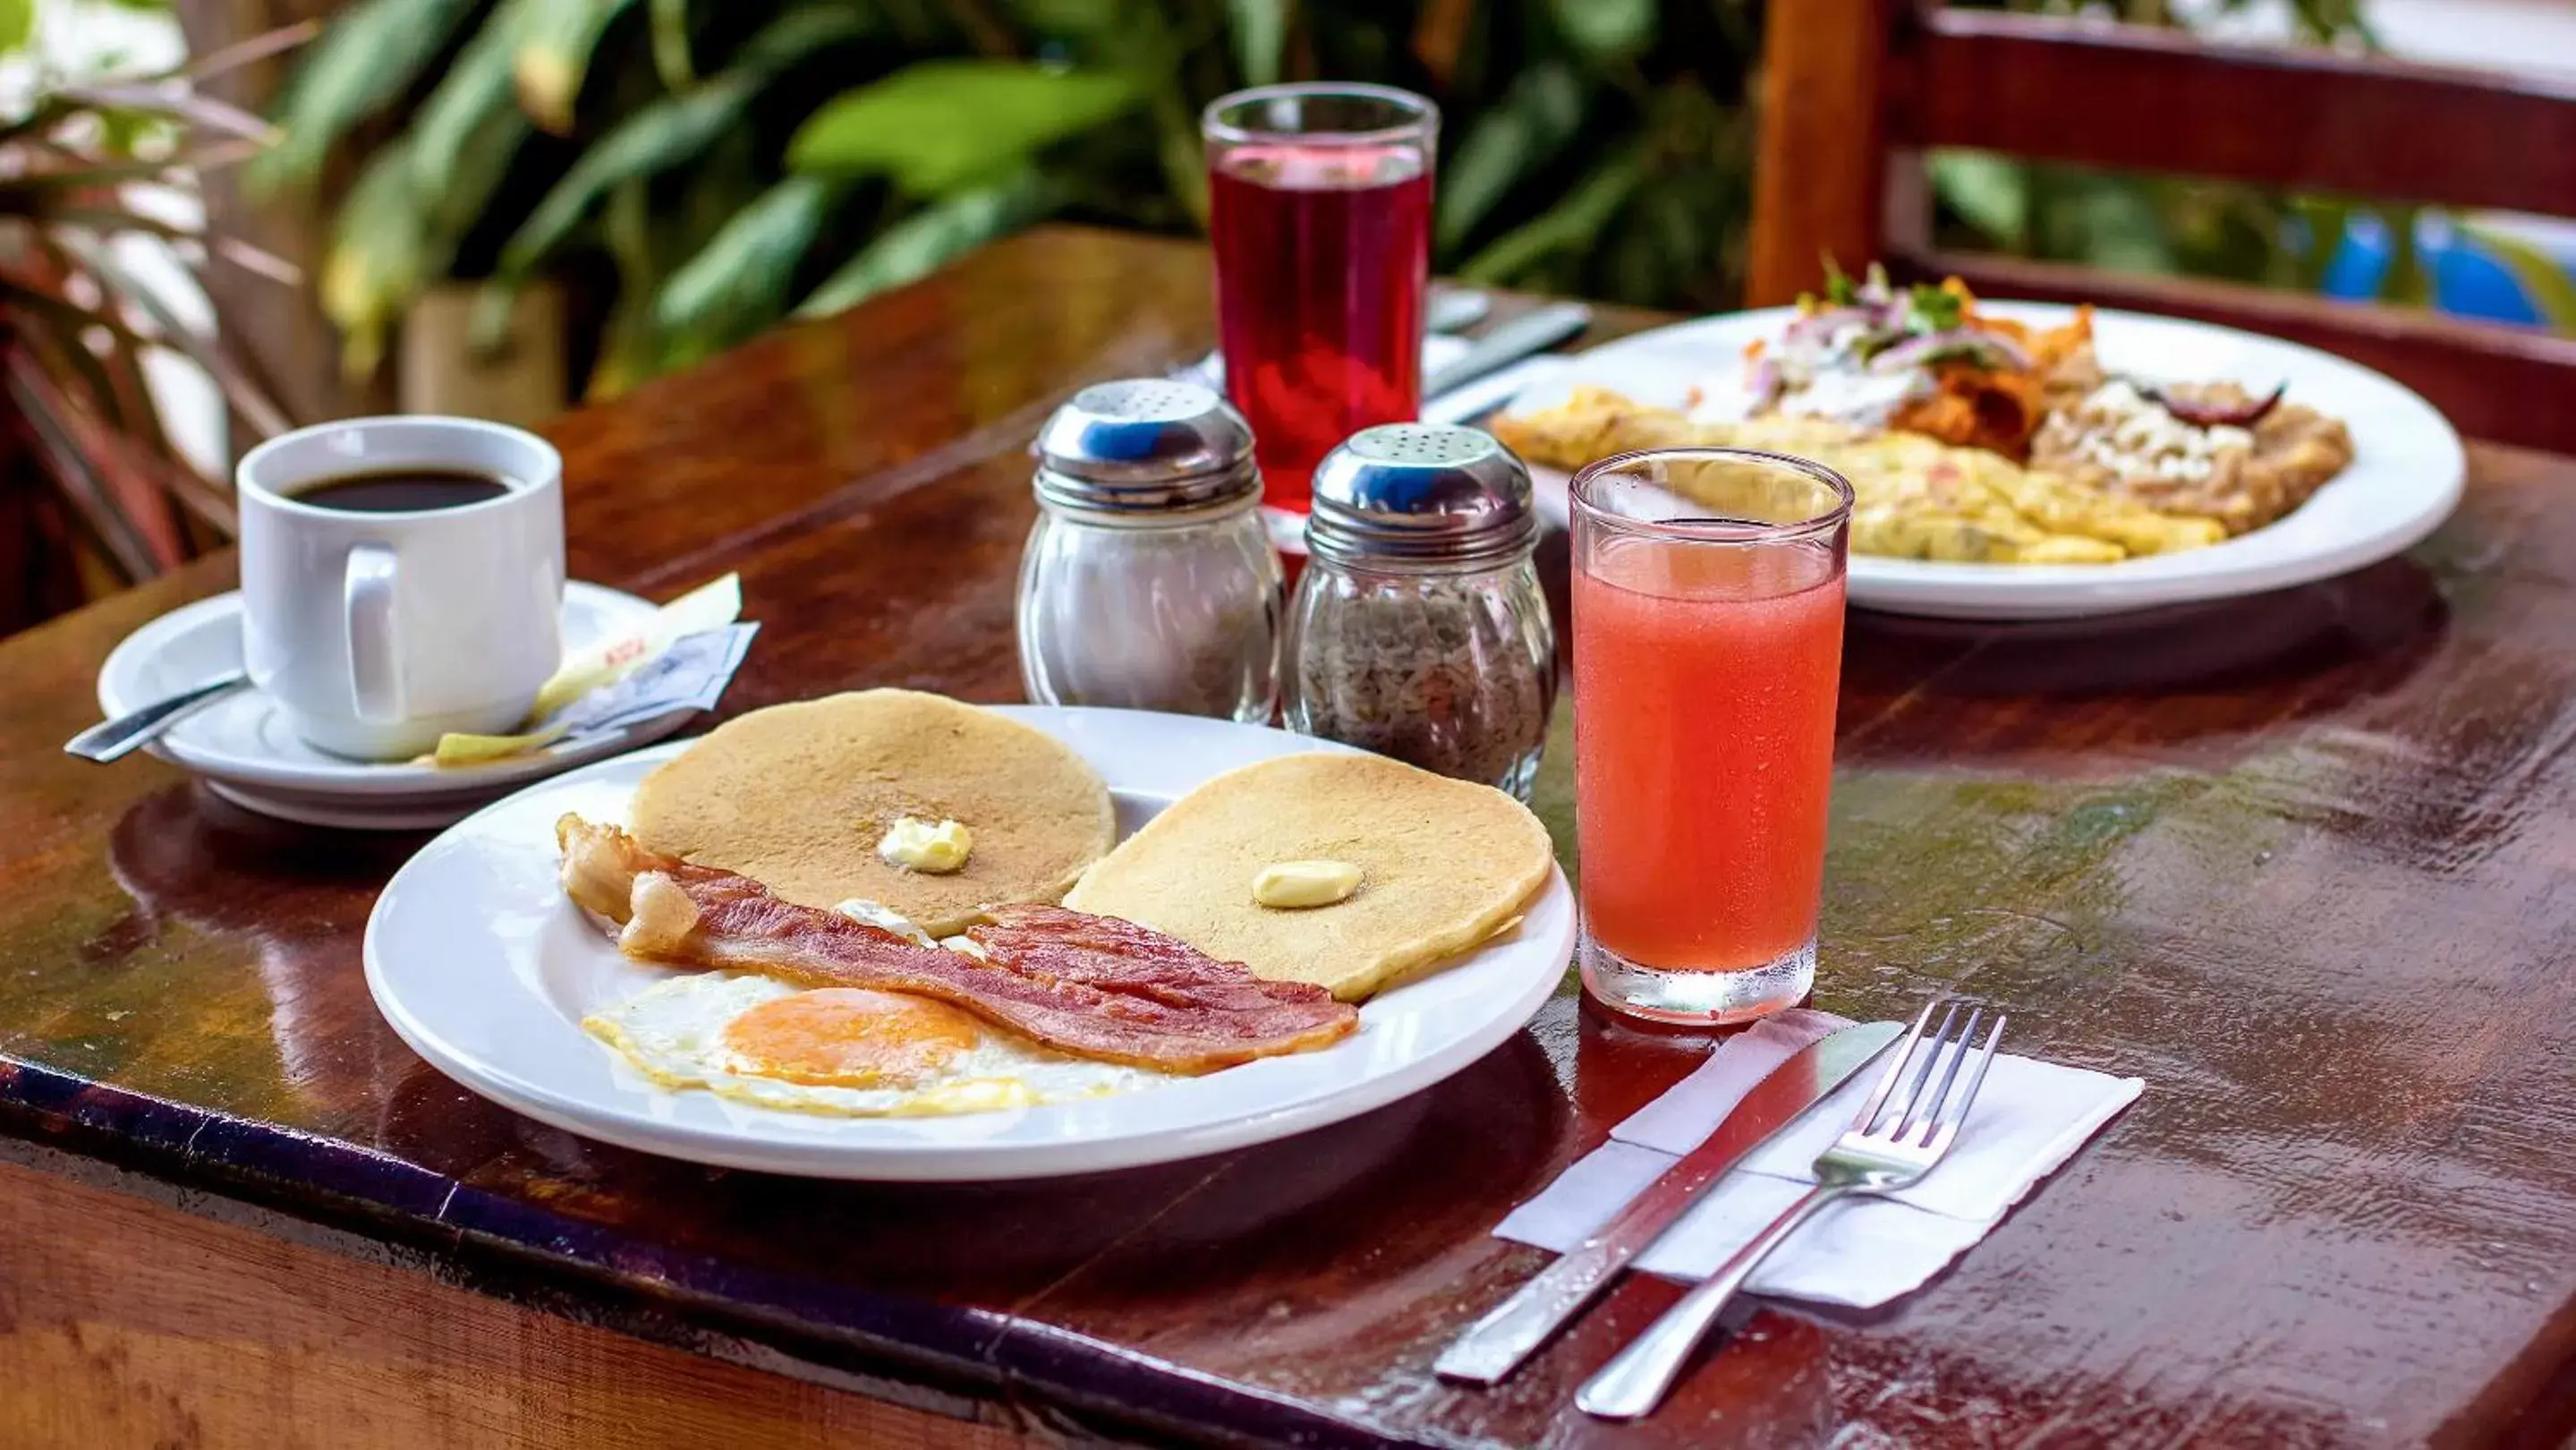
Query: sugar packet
point(681, 658)
point(689, 675)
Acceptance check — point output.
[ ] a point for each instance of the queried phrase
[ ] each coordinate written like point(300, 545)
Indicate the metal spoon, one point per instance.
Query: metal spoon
point(114, 739)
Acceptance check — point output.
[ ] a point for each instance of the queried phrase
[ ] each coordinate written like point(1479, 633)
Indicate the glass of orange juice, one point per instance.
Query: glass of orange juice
point(1708, 636)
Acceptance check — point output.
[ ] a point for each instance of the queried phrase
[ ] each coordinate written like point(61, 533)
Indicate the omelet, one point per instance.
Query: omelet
point(1915, 497)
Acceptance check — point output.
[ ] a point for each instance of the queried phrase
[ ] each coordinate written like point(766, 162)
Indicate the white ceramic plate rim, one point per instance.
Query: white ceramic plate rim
point(254, 778)
point(2406, 477)
point(1434, 1026)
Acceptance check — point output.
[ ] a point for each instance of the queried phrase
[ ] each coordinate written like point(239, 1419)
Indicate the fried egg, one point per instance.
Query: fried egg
point(841, 1050)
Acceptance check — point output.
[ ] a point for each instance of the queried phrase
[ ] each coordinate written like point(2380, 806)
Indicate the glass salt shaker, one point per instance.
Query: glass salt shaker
point(1147, 582)
point(1419, 629)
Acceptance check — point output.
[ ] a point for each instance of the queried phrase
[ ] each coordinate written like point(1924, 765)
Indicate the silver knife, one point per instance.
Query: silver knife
point(1499, 1342)
point(1508, 343)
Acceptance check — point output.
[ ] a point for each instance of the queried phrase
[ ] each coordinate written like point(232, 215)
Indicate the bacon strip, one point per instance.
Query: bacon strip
point(1086, 985)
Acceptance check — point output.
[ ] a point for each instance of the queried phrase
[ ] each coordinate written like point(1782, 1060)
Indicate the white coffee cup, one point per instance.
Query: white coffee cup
point(377, 632)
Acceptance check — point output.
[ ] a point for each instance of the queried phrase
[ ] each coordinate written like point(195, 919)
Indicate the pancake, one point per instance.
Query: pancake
point(1444, 863)
point(797, 796)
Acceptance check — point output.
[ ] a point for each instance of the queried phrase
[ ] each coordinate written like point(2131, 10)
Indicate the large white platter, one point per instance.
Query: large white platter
point(2405, 477)
point(478, 960)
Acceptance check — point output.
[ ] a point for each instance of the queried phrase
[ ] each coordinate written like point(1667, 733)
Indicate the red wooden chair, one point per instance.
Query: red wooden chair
point(1853, 90)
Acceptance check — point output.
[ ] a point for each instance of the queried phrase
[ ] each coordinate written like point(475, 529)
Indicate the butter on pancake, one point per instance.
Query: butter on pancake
point(798, 797)
point(1442, 863)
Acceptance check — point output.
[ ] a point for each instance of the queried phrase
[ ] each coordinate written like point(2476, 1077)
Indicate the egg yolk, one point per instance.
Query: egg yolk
point(850, 1037)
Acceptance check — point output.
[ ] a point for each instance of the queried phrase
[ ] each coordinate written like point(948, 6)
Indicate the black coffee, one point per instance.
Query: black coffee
point(401, 490)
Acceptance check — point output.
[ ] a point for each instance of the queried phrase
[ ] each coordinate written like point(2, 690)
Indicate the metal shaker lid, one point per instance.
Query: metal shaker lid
point(1145, 445)
point(1421, 493)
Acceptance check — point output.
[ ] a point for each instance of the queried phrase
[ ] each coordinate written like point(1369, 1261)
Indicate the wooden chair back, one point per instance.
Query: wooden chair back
point(1853, 91)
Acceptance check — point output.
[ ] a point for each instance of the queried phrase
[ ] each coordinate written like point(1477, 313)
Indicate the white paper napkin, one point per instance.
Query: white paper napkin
point(2029, 1118)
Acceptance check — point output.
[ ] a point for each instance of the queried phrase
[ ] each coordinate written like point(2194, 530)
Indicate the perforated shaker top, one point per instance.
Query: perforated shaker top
point(1143, 445)
point(1422, 493)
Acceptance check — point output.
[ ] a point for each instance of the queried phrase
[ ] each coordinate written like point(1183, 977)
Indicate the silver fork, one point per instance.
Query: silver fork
point(1870, 1157)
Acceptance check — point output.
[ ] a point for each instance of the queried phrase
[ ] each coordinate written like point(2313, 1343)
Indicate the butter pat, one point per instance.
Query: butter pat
point(917, 845)
point(1296, 885)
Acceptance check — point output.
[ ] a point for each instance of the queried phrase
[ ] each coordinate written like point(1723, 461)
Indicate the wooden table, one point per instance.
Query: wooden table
point(2306, 863)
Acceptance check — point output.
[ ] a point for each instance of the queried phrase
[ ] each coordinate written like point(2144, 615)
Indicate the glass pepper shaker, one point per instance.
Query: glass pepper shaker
point(1147, 582)
point(1419, 630)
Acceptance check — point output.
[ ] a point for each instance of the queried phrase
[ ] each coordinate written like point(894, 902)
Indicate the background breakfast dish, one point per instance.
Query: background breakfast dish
point(2348, 468)
point(2206, 450)
point(1921, 361)
point(1976, 438)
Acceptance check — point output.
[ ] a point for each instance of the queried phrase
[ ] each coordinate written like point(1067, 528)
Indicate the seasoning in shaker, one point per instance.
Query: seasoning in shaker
point(1419, 630)
point(1147, 582)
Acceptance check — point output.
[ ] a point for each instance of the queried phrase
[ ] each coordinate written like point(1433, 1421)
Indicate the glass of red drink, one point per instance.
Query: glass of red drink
point(1319, 207)
point(1708, 633)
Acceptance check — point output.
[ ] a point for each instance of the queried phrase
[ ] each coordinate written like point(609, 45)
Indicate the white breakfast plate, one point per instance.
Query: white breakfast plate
point(481, 964)
point(244, 749)
point(2405, 477)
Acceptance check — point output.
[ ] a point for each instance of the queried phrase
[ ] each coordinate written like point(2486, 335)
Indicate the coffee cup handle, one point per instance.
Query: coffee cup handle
point(375, 674)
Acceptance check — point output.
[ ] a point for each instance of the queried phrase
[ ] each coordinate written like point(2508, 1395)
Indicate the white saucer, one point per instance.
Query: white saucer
point(481, 964)
point(243, 748)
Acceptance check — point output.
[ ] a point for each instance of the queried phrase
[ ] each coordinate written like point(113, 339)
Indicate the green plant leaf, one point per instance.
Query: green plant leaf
point(2102, 221)
point(936, 127)
point(737, 284)
point(1990, 192)
point(1574, 223)
point(2326, 219)
point(1606, 30)
point(1181, 152)
point(1527, 128)
point(378, 258)
point(663, 134)
point(17, 23)
point(1260, 29)
point(556, 39)
point(2542, 276)
point(471, 104)
point(631, 348)
point(930, 238)
point(2408, 283)
point(1079, 18)
point(365, 61)
point(398, 229)
point(671, 60)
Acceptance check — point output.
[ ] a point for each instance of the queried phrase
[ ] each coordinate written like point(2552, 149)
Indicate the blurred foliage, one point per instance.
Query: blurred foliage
point(728, 162)
point(87, 163)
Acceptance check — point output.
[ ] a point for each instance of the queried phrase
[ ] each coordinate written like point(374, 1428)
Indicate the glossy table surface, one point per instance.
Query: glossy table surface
point(2306, 863)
